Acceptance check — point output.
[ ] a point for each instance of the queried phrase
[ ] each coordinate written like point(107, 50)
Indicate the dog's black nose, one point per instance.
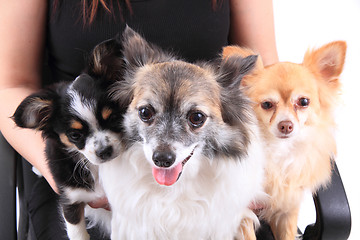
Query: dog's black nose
point(105, 152)
point(163, 158)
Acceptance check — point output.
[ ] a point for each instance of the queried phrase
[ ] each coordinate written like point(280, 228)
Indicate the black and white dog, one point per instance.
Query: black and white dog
point(82, 127)
point(193, 161)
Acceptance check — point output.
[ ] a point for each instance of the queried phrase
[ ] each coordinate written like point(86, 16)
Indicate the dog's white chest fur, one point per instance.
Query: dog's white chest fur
point(209, 206)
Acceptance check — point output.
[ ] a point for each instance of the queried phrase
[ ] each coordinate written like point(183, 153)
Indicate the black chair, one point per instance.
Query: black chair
point(8, 181)
point(333, 217)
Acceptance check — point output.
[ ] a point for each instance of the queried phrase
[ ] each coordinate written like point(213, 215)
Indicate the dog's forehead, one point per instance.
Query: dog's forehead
point(80, 106)
point(176, 82)
point(175, 73)
point(286, 81)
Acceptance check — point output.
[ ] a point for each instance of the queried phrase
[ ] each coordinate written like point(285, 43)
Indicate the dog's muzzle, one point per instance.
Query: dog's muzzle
point(164, 172)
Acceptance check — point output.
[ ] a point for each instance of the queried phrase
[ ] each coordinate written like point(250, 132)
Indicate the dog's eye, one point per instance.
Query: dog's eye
point(267, 105)
point(196, 119)
point(74, 135)
point(146, 114)
point(303, 102)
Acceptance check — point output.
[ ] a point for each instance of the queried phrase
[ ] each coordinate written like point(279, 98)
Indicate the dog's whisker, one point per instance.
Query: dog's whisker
point(81, 175)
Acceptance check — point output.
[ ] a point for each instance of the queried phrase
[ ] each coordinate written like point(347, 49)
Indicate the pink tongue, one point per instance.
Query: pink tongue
point(167, 176)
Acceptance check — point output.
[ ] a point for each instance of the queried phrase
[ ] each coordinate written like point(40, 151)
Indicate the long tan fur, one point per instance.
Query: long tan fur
point(303, 160)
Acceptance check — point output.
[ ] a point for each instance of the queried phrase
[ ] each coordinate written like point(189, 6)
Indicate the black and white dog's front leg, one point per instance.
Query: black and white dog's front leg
point(75, 221)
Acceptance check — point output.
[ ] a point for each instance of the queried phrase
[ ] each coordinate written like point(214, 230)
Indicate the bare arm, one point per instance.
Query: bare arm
point(22, 31)
point(252, 26)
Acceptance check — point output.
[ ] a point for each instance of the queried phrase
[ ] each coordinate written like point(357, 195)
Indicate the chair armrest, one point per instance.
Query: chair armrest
point(7, 190)
point(333, 217)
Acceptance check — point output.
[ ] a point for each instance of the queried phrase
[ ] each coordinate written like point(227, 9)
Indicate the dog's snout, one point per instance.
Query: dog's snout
point(285, 127)
point(105, 152)
point(163, 158)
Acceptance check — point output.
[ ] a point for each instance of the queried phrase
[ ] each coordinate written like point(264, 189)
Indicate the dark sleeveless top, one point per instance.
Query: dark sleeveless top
point(193, 29)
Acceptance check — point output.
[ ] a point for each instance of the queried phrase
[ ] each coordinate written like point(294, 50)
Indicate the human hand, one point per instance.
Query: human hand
point(100, 203)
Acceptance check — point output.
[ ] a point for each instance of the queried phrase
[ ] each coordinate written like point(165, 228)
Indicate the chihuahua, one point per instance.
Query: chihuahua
point(82, 127)
point(194, 160)
point(295, 104)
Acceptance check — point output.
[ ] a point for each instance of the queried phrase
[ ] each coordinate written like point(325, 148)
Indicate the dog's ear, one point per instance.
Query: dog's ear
point(234, 105)
point(231, 51)
point(36, 110)
point(105, 61)
point(327, 61)
point(138, 52)
point(234, 68)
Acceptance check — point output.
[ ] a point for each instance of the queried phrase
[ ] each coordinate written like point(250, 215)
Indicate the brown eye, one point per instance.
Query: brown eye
point(267, 105)
point(74, 135)
point(303, 102)
point(146, 114)
point(196, 119)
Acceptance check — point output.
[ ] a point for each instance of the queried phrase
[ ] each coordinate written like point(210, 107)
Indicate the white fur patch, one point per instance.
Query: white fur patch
point(84, 109)
point(81, 195)
point(77, 231)
point(205, 204)
point(98, 139)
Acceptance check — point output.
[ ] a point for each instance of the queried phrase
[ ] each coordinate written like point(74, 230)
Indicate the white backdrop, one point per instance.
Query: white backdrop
point(303, 24)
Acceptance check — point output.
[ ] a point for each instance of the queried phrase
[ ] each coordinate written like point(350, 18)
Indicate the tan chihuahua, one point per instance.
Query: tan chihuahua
point(294, 104)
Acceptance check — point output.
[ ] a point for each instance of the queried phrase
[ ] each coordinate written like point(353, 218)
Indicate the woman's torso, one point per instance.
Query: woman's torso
point(193, 29)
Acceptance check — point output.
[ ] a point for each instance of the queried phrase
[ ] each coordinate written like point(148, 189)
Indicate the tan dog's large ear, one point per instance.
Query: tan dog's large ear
point(229, 51)
point(327, 61)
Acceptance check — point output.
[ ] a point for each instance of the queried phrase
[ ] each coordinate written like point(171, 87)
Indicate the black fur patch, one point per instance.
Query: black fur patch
point(73, 213)
point(106, 62)
point(36, 110)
